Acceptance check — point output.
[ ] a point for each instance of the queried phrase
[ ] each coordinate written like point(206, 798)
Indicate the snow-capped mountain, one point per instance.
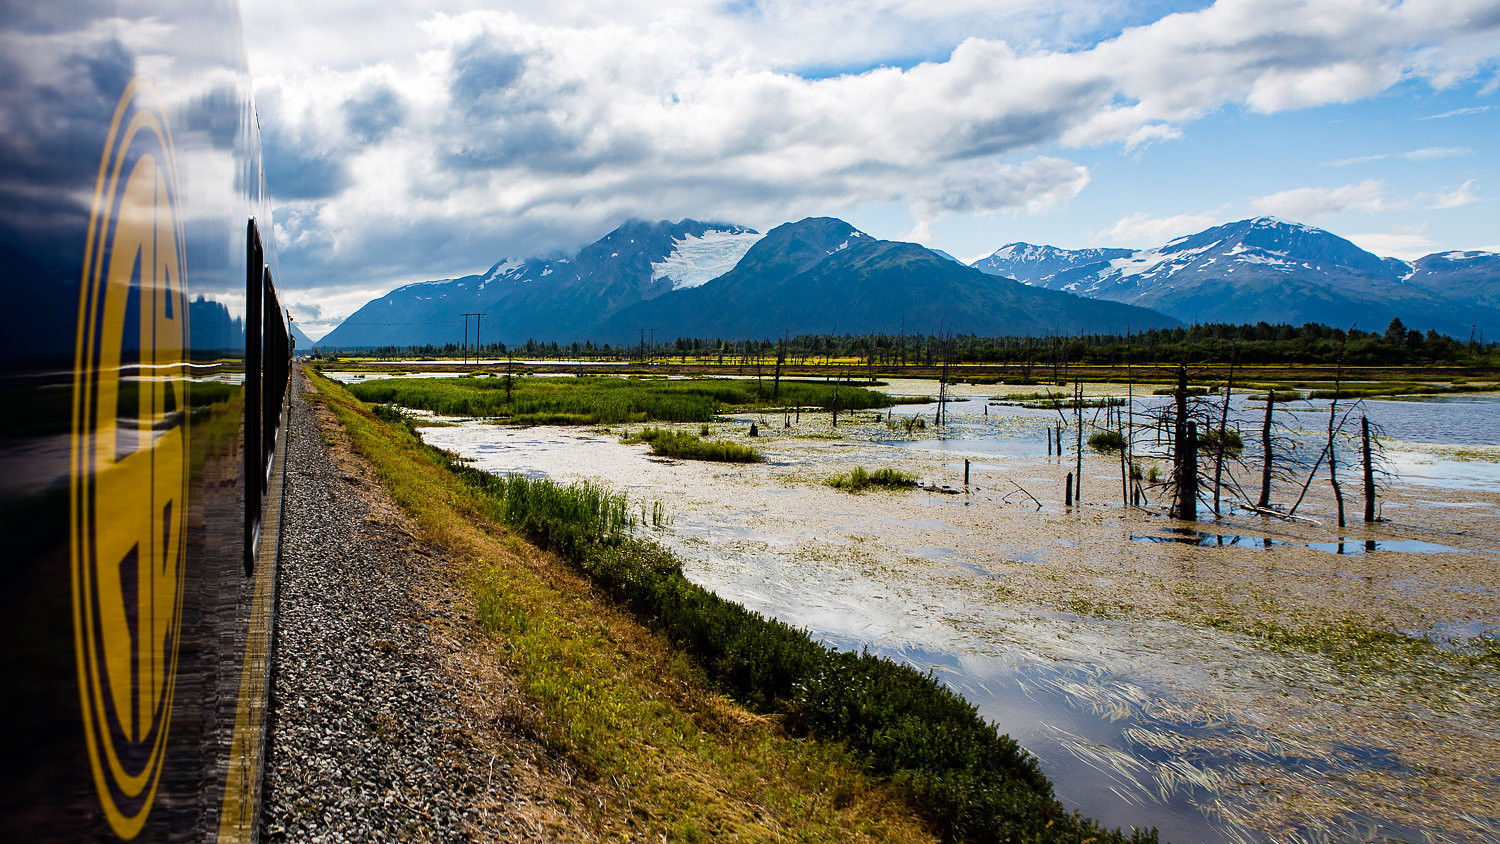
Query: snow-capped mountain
point(565, 295)
point(1470, 275)
point(696, 259)
point(1262, 269)
point(822, 275)
point(1038, 264)
point(715, 279)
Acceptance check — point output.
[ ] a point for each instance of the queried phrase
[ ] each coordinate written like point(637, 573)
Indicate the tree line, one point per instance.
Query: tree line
point(1260, 343)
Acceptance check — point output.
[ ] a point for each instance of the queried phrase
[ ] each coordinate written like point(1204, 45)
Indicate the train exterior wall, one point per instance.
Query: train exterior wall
point(142, 374)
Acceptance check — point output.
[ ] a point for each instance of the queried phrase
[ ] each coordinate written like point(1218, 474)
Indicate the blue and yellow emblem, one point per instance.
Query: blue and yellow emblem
point(130, 460)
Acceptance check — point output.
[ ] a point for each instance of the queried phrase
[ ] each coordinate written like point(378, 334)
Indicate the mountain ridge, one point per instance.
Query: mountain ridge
point(1265, 269)
point(820, 274)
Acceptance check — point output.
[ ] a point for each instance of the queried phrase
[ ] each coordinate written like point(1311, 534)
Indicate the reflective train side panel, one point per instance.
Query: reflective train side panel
point(144, 363)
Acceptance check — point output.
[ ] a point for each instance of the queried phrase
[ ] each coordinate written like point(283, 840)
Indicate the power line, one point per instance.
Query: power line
point(477, 319)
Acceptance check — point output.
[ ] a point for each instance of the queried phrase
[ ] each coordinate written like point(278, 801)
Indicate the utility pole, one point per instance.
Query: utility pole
point(477, 317)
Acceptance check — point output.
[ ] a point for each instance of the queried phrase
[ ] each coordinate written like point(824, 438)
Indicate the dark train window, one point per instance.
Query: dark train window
point(253, 476)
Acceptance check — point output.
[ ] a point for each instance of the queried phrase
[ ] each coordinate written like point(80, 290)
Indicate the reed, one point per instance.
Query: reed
point(685, 446)
point(605, 400)
point(860, 479)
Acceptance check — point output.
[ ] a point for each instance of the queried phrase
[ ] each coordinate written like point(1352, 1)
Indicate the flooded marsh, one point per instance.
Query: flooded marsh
point(1238, 679)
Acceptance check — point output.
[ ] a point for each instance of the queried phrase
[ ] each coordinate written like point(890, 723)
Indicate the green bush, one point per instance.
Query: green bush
point(1208, 442)
point(1106, 441)
point(971, 782)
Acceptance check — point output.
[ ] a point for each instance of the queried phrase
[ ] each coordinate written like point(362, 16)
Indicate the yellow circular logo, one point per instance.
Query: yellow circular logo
point(130, 459)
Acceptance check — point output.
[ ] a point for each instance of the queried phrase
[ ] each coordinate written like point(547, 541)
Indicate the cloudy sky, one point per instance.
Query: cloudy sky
point(416, 139)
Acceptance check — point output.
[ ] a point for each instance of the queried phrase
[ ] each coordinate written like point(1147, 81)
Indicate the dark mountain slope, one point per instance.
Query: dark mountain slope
point(820, 275)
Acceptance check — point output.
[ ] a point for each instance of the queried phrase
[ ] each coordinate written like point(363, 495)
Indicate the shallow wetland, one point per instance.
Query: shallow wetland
point(1237, 679)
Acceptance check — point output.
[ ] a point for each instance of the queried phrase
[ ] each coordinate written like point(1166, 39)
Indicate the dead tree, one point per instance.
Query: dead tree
point(780, 358)
point(1364, 435)
point(1333, 463)
point(1223, 432)
point(1078, 451)
point(1267, 454)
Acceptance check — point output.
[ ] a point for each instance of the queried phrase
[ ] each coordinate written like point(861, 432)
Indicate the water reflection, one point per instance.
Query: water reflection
point(1186, 536)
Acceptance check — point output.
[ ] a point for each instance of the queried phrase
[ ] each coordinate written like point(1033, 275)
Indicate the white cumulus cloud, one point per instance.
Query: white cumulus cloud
point(1143, 231)
point(1308, 204)
point(406, 141)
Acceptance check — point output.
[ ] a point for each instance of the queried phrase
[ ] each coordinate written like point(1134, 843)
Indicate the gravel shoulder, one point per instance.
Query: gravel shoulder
point(392, 718)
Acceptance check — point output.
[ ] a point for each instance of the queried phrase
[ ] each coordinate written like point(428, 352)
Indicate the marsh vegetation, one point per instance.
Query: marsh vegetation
point(1076, 608)
point(913, 736)
point(594, 400)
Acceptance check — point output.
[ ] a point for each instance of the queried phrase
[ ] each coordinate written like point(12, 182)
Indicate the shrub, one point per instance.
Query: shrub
point(1208, 442)
point(972, 782)
point(859, 480)
point(1106, 441)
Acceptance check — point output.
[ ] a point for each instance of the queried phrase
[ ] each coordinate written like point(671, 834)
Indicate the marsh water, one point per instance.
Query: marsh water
point(1078, 630)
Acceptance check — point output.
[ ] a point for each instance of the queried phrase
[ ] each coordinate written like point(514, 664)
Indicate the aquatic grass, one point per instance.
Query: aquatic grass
point(685, 446)
point(603, 400)
point(1209, 441)
point(860, 479)
point(1058, 401)
point(1401, 388)
point(1106, 442)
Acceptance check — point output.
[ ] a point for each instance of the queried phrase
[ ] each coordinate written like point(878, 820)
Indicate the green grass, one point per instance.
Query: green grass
point(859, 480)
point(1059, 401)
point(685, 446)
point(1106, 441)
point(602, 400)
point(971, 782)
point(1172, 391)
point(1401, 388)
point(655, 753)
point(854, 715)
point(1208, 442)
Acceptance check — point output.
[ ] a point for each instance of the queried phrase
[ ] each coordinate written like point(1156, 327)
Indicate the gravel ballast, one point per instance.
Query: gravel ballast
point(392, 719)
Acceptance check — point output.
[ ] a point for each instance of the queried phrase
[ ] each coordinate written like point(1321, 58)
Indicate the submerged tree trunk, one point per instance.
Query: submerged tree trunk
point(1184, 453)
point(1364, 433)
point(1223, 437)
point(1078, 452)
point(1265, 445)
point(1187, 480)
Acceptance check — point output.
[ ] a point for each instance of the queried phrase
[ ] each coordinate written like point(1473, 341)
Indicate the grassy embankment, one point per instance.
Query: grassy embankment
point(632, 663)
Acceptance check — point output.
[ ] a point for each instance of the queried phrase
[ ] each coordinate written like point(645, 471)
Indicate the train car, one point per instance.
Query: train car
point(144, 368)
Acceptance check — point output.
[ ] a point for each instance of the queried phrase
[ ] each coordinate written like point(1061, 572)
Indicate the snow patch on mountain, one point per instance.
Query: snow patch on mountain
point(696, 260)
point(504, 268)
